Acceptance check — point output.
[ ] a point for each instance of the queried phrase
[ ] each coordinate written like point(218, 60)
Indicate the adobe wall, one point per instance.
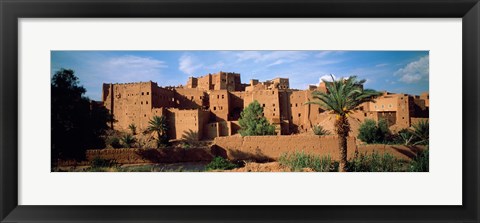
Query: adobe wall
point(136, 156)
point(263, 148)
point(219, 104)
point(190, 98)
point(184, 122)
point(130, 103)
point(272, 147)
point(414, 121)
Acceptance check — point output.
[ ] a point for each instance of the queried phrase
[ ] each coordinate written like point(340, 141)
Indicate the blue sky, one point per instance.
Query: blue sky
point(394, 71)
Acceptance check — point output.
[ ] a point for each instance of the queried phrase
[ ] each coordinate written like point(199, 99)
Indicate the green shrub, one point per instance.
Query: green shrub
point(133, 128)
point(128, 140)
point(421, 162)
point(252, 121)
point(297, 161)
point(320, 131)
point(373, 132)
point(421, 132)
point(114, 142)
point(98, 162)
point(219, 163)
point(375, 162)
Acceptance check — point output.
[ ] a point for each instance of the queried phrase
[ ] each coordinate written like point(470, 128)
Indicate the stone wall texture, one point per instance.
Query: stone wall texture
point(272, 147)
point(136, 156)
point(254, 148)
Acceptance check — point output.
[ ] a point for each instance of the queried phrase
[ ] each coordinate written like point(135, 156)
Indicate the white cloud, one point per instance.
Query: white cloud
point(188, 64)
point(381, 65)
point(216, 66)
point(414, 71)
point(328, 52)
point(272, 58)
point(327, 77)
point(129, 61)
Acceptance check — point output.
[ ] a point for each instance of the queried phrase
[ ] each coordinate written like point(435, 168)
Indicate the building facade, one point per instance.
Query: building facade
point(210, 106)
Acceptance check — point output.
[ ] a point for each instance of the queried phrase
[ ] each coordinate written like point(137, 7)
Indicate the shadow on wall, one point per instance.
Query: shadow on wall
point(236, 155)
point(409, 151)
point(175, 155)
point(190, 137)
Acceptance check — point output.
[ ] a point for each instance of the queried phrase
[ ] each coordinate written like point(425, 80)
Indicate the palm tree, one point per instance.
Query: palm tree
point(128, 140)
point(158, 124)
point(343, 96)
point(133, 128)
point(421, 131)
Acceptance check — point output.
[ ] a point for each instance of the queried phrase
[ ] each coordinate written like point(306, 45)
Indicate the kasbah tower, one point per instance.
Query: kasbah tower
point(210, 106)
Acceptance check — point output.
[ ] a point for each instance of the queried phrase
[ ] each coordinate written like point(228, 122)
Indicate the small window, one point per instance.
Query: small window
point(390, 105)
point(148, 93)
point(223, 96)
point(141, 102)
point(273, 105)
point(145, 115)
point(273, 114)
point(146, 102)
point(383, 106)
point(142, 93)
point(218, 96)
point(296, 105)
point(299, 114)
point(214, 108)
point(191, 98)
point(263, 105)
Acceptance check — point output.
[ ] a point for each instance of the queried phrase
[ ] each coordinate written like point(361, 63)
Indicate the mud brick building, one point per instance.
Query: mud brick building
point(210, 106)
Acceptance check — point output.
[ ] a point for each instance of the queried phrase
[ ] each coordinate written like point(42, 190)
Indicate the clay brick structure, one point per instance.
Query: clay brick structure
point(210, 106)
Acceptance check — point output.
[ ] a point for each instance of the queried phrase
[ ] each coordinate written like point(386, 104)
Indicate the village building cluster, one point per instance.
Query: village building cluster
point(210, 106)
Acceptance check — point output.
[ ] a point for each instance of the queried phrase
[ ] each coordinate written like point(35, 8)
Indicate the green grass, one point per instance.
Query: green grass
point(375, 162)
point(219, 163)
point(297, 161)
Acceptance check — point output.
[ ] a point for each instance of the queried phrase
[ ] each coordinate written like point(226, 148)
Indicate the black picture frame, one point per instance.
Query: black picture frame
point(11, 11)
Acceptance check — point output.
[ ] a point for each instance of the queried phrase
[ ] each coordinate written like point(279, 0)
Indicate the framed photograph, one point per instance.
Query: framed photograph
point(207, 110)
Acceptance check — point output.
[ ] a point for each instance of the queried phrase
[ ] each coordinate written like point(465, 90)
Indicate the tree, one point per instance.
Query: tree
point(252, 122)
point(373, 132)
point(158, 125)
point(421, 132)
point(343, 96)
point(320, 131)
point(128, 140)
point(133, 128)
point(77, 123)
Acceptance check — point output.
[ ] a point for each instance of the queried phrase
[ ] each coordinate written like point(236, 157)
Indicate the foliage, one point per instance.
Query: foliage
point(158, 125)
point(98, 162)
point(421, 132)
point(128, 140)
point(190, 139)
point(219, 163)
point(252, 122)
point(343, 96)
point(373, 132)
point(320, 131)
point(421, 162)
point(114, 142)
point(375, 162)
point(77, 123)
point(297, 161)
point(133, 128)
